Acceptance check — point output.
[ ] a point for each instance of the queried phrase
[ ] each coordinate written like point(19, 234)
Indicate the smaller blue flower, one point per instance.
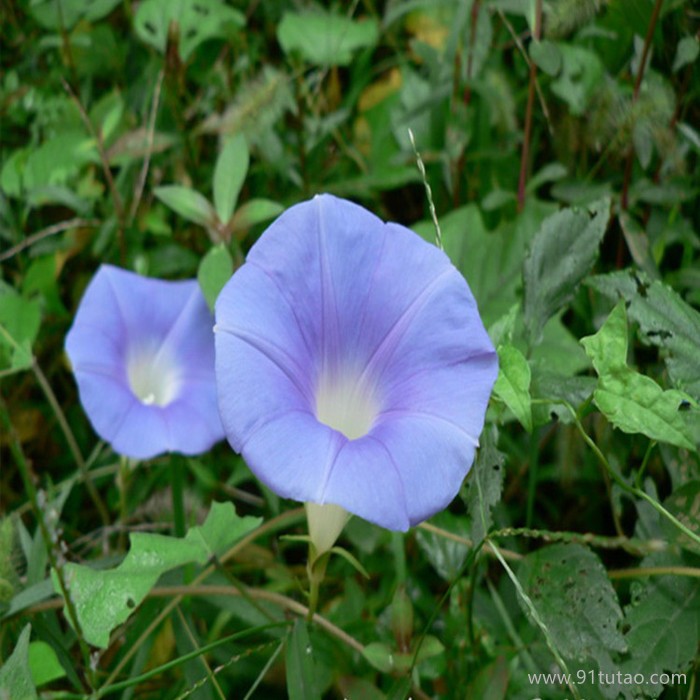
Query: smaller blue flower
point(142, 351)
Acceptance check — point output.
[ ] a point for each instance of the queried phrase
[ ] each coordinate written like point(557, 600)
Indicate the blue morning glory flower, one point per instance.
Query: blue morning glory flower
point(142, 351)
point(353, 367)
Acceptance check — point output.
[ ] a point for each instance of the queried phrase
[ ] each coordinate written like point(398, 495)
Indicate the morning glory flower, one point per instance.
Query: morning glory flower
point(142, 351)
point(353, 367)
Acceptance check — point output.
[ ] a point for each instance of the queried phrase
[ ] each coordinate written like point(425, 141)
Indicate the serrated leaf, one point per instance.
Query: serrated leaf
point(215, 270)
point(633, 402)
point(484, 486)
point(684, 503)
point(573, 596)
point(188, 203)
point(562, 253)
point(229, 175)
point(513, 384)
point(325, 38)
point(662, 625)
point(301, 674)
point(665, 321)
point(104, 599)
point(15, 678)
point(255, 211)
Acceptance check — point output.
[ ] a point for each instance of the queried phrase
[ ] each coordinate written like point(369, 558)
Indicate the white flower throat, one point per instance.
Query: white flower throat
point(153, 375)
point(346, 403)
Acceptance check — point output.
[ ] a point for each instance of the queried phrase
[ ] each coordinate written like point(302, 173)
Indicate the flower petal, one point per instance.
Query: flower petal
point(130, 334)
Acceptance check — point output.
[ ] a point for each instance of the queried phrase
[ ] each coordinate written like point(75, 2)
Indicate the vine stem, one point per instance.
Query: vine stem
point(656, 11)
point(525, 154)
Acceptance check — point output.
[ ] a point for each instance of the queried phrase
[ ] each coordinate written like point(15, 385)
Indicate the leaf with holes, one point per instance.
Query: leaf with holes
point(104, 599)
point(633, 402)
point(562, 253)
point(484, 485)
point(196, 21)
point(662, 630)
point(570, 589)
point(665, 321)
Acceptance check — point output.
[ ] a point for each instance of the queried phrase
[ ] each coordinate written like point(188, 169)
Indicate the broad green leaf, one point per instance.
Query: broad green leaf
point(301, 673)
point(546, 56)
point(20, 319)
point(255, 211)
point(633, 402)
point(380, 656)
point(65, 14)
point(665, 320)
point(105, 598)
point(687, 52)
point(513, 384)
point(15, 678)
point(352, 687)
point(662, 624)
point(44, 664)
point(229, 174)
point(214, 271)
point(325, 38)
point(562, 253)
point(195, 20)
point(573, 596)
point(188, 203)
point(484, 485)
point(684, 503)
point(489, 260)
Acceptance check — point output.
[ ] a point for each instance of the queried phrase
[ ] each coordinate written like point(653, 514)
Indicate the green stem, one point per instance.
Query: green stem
point(316, 569)
point(178, 494)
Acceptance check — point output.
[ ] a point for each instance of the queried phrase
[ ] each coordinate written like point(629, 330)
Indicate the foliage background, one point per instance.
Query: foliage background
point(560, 143)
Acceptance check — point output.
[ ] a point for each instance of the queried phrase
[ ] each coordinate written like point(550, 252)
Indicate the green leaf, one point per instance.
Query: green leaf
point(15, 678)
point(20, 319)
point(255, 211)
point(188, 203)
point(573, 596)
point(57, 14)
point(324, 38)
point(229, 175)
point(633, 402)
point(195, 21)
point(580, 77)
point(546, 56)
point(106, 598)
point(214, 272)
point(513, 384)
point(684, 503)
point(665, 320)
point(484, 485)
point(662, 624)
point(301, 672)
point(562, 253)
point(380, 656)
point(44, 664)
point(687, 52)
point(445, 555)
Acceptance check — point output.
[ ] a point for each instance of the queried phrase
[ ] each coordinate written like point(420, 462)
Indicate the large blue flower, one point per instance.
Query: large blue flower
point(142, 352)
point(352, 365)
